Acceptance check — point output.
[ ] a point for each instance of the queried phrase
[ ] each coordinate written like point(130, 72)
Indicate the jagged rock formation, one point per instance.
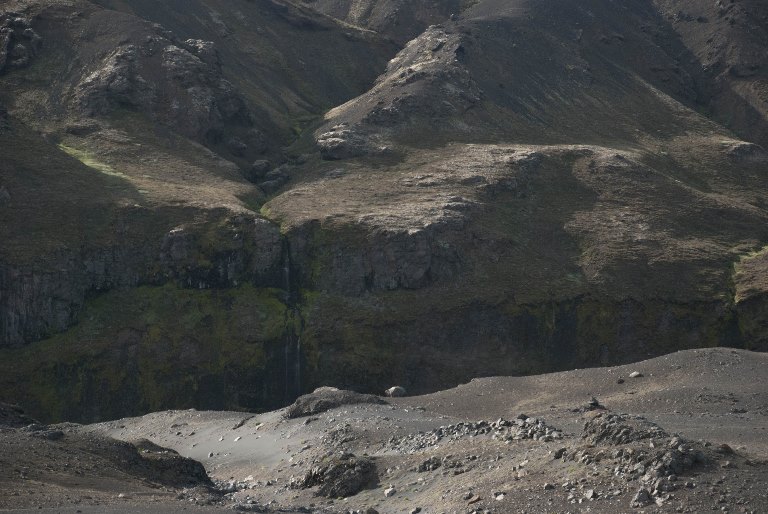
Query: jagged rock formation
point(19, 43)
point(526, 186)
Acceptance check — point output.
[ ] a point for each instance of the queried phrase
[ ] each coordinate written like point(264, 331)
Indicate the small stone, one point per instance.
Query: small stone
point(237, 438)
point(548, 486)
point(635, 374)
point(416, 510)
point(389, 491)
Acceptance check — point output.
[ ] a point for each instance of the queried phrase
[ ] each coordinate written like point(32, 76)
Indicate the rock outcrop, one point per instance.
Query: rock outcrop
point(19, 43)
point(40, 303)
point(177, 84)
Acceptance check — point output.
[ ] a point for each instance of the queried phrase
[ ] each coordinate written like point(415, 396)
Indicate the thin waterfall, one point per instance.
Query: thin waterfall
point(292, 350)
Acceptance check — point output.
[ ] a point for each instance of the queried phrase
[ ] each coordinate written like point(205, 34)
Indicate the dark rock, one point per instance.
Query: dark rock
point(316, 403)
point(641, 499)
point(430, 464)
point(340, 477)
point(205, 50)
point(19, 43)
point(237, 147)
point(168, 467)
point(13, 416)
point(271, 186)
point(82, 128)
point(257, 170)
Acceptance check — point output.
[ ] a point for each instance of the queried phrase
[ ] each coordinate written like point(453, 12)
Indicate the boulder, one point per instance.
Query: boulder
point(641, 499)
point(341, 143)
point(327, 399)
point(340, 477)
point(395, 392)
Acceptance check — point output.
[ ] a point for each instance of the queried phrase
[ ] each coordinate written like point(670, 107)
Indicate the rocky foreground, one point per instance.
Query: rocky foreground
point(681, 433)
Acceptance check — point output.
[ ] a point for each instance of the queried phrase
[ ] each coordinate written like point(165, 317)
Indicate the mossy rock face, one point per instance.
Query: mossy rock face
point(371, 347)
point(151, 348)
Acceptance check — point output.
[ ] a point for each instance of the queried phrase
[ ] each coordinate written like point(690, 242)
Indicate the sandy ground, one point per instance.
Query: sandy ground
point(709, 398)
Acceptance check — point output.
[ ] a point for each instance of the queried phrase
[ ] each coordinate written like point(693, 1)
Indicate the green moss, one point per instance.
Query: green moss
point(89, 160)
point(150, 348)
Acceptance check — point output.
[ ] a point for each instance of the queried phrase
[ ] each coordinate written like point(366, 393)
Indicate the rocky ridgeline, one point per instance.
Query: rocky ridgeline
point(504, 430)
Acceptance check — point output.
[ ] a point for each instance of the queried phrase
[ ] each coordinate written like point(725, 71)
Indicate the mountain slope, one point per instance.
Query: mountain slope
point(526, 186)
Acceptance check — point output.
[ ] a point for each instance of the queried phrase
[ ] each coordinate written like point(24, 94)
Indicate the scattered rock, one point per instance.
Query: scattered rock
point(504, 430)
point(430, 464)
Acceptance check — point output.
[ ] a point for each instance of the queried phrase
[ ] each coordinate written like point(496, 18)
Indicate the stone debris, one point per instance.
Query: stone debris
point(339, 477)
point(521, 428)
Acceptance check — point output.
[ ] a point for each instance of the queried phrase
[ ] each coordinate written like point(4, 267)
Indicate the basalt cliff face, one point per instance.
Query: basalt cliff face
point(224, 205)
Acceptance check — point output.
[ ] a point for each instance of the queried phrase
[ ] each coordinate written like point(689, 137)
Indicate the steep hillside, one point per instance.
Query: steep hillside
point(232, 202)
